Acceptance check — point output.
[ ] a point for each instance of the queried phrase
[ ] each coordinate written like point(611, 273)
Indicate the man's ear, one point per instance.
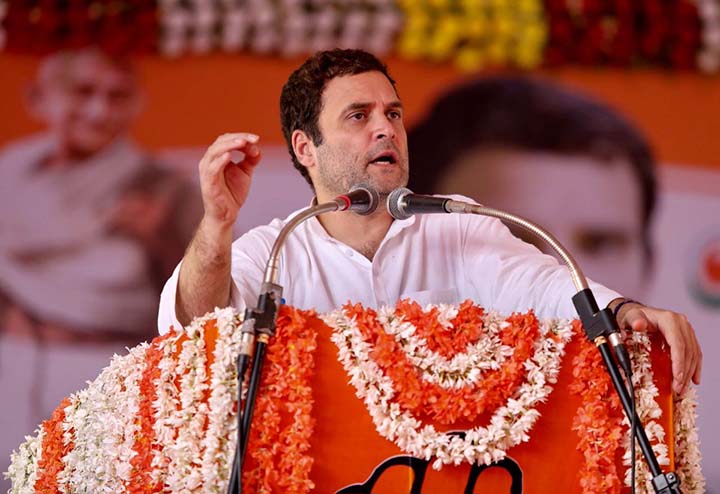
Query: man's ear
point(304, 148)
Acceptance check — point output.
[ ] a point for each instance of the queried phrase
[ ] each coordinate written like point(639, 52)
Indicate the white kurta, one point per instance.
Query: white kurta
point(430, 258)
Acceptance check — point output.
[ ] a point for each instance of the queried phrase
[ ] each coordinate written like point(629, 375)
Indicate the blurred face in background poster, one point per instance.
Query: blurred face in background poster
point(593, 206)
point(86, 99)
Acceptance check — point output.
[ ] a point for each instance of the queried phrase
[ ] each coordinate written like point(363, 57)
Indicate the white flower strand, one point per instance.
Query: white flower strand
point(221, 437)
point(185, 451)
point(464, 368)
point(128, 408)
point(508, 426)
point(687, 444)
point(101, 420)
point(165, 407)
point(708, 58)
point(24, 464)
point(74, 413)
point(102, 428)
point(648, 412)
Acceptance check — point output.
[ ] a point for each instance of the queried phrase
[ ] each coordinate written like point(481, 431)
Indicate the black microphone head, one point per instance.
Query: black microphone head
point(395, 205)
point(363, 199)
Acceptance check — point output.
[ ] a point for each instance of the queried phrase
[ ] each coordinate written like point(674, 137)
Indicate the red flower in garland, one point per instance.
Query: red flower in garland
point(140, 477)
point(278, 448)
point(447, 406)
point(54, 449)
point(597, 421)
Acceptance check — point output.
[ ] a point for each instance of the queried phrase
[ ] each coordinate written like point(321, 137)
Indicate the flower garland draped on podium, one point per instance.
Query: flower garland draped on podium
point(162, 418)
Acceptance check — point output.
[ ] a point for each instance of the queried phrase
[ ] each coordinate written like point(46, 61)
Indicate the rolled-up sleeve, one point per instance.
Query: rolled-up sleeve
point(166, 311)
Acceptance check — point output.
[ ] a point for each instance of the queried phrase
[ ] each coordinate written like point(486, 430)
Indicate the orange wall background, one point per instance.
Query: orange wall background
point(193, 99)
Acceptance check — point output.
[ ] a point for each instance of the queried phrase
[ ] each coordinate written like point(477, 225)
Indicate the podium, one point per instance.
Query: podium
point(408, 399)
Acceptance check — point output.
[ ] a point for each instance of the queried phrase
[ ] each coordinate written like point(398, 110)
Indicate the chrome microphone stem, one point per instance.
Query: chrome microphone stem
point(271, 269)
point(600, 326)
point(575, 272)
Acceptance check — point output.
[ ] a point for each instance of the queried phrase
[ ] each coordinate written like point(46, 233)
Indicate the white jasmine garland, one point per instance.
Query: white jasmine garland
point(195, 440)
point(708, 58)
point(508, 426)
point(648, 412)
point(235, 24)
point(101, 425)
point(24, 464)
point(221, 437)
point(464, 368)
point(687, 444)
point(75, 414)
point(185, 452)
point(165, 406)
point(128, 409)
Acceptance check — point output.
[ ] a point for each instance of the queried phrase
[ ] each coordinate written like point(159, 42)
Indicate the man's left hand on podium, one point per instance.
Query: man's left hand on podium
point(685, 351)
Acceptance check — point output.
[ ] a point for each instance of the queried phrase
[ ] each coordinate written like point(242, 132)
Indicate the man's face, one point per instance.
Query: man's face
point(593, 207)
point(87, 101)
point(364, 139)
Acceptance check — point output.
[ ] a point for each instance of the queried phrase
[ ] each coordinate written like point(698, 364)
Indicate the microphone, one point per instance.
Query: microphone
point(361, 199)
point(402, 203)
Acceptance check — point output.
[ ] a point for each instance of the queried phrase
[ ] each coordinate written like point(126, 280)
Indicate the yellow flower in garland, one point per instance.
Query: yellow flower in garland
point(470, 59)
point(529, 46)
point(473, 6)
point(412, 45)
point(476, 27)
point(527, 56)
point(505, 25)
point(445, 5)
point(443, 42)
point(474, 33)
point(531, 35)
point(413, 38)
point(498, 52)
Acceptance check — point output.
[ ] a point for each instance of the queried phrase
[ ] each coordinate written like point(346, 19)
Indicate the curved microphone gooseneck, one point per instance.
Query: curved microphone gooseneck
point(259, 323)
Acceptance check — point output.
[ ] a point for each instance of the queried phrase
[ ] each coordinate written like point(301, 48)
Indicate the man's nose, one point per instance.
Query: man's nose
point(97, 107)
point(383, 128)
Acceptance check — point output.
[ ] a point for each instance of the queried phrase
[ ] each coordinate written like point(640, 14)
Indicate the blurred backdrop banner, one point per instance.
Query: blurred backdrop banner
point(597, 119)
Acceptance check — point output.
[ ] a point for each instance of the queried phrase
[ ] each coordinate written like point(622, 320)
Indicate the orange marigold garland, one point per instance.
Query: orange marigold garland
point(464, 328)
point(358, 332)
point(283, 424)
point(159, 384)
point(141, 481)
point(598, 421)
point(54, 448)
point(184, 453)
point(420, 396)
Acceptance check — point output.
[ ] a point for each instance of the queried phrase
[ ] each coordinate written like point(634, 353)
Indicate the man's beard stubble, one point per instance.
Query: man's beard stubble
point(337, 173)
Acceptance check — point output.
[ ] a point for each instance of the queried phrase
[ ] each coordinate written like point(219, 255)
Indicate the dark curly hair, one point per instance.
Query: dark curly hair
point(532, 115)
point(301, 96)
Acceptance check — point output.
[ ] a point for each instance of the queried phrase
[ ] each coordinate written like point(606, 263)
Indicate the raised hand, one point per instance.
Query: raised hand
point(225, 178)
point(204, 280)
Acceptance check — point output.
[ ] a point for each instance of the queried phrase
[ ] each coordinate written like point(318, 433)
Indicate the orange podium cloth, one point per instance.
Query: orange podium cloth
point(162, 418)
point(346, 448)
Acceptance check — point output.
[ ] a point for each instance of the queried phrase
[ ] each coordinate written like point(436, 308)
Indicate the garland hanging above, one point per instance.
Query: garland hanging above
point(473, 34)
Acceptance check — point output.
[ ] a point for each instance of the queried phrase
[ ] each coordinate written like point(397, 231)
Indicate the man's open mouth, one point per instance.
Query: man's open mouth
point(386, 158)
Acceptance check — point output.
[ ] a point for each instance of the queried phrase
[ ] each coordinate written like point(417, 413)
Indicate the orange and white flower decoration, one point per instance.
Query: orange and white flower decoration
point(163, 417)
